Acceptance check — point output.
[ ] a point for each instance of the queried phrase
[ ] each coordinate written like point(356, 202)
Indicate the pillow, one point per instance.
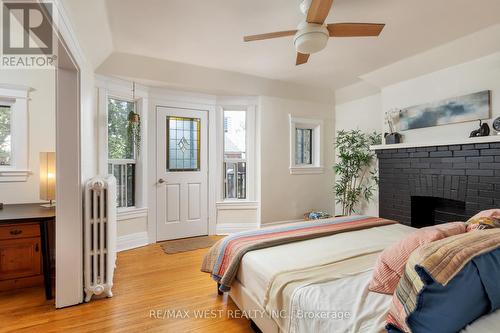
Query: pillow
point(446, 308)
point(486, 219)
point(391, 262)
point(495, 213)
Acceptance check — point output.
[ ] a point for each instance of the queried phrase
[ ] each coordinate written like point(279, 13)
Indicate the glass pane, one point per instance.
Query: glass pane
point(120, 144)
point(234, 134)
point(235, 178)
point(183, 144)
point(125, 183)
point(303, 146)
point(5, 138)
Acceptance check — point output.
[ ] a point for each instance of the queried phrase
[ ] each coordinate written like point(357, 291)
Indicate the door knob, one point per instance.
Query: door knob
point(161, 181)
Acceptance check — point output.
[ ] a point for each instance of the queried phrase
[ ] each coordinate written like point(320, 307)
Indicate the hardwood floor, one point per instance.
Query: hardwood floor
point(146, 280)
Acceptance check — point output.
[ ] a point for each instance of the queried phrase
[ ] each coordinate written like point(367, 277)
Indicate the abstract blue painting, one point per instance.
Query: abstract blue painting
point(454, 110)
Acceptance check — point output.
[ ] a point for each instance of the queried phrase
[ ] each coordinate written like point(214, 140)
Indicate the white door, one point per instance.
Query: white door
point(182, 167)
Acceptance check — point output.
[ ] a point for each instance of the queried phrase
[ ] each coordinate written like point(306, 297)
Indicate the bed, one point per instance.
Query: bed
point(321, 284)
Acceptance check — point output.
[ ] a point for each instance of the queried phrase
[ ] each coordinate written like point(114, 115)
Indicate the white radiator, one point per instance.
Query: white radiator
point(100, 236)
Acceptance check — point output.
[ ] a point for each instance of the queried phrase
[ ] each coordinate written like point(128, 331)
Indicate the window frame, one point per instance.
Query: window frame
point(121, 90)
point(316, 125)
point(122, 161)
point(234, 160)
point(17, 98)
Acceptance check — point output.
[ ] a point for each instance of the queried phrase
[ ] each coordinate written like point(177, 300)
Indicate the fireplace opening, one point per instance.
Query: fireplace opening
point(427, 211)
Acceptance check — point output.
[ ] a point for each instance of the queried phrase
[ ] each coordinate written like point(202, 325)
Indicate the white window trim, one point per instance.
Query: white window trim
point(122, 90)
point(17, 98)
point(249, 106)
point(317, 163)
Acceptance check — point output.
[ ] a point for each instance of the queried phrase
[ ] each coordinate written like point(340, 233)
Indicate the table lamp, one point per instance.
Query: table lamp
point(48, 178)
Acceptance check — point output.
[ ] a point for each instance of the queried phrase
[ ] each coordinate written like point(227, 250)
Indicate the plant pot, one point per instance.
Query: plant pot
point(392, 138)
point(134, 118)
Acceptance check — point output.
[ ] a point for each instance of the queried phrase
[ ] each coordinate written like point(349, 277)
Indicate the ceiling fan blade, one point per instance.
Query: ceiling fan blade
point(301, 58)
point(270, 35)
point(318, 11)
point(355, 29)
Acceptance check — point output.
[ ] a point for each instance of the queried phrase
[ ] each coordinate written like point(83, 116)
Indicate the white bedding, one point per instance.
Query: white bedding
point(349, 294)
point(258, 267)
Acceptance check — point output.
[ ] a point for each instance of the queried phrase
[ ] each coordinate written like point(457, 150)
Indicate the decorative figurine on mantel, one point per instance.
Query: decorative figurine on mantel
point(483, 130)
point(392, 117)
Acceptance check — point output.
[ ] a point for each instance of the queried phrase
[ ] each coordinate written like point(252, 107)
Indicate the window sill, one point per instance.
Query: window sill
point(13, 175)
point(306, 170)
point(131, 213)
point(237, 204)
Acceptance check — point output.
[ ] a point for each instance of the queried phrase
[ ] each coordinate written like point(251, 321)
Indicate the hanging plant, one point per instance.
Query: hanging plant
point(134, 130)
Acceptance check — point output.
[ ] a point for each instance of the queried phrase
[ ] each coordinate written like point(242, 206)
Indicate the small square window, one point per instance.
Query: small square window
point(306, 136)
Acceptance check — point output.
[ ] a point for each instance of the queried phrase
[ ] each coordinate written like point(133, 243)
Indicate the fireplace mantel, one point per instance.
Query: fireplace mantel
point(464, 141)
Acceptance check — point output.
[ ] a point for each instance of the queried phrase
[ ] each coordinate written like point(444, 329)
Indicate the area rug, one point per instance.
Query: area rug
point(188, 244)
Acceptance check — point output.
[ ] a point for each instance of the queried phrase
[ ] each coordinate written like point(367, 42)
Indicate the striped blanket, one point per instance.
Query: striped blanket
point(442, 260)
point(223, 259)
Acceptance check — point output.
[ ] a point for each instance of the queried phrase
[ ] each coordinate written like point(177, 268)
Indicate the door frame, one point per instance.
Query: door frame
point(184, 101)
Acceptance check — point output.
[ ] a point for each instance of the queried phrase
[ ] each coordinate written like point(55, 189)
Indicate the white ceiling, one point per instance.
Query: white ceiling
point(209, 33)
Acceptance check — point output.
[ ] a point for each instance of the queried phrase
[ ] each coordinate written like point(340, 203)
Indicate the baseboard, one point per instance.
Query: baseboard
point(230, 228)
point(132, 241)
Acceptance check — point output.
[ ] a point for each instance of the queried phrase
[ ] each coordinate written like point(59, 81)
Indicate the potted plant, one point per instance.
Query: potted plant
point(391, 118)
point(355, 171)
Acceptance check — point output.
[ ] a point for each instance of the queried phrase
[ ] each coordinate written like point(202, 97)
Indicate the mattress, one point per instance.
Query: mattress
point(258, 268)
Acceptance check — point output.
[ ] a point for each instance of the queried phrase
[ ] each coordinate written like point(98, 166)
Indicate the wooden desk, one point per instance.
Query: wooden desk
point(16, 219)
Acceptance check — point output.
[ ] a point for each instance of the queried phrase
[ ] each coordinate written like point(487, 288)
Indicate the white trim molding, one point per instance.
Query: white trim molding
point(316, 125)
point(132, 241)
point(16, 97)
point(131, 213)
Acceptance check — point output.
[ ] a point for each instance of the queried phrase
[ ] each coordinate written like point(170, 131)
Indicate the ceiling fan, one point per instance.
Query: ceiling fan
point(312, 35)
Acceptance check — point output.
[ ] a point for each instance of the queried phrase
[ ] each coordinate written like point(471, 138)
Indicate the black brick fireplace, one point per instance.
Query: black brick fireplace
point(430, 185)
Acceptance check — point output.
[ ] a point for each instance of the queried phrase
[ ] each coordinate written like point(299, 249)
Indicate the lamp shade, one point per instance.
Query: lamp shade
point(48, 176)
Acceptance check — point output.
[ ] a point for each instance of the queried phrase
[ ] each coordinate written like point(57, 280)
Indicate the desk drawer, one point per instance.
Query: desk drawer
point(14, 231)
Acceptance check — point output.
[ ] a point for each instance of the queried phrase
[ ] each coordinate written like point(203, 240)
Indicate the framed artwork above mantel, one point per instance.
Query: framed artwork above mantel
point(471, 107)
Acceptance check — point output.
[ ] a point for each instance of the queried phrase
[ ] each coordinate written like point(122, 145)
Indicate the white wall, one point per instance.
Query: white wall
point(473, 76)
point(42, 133)
point(284, 196)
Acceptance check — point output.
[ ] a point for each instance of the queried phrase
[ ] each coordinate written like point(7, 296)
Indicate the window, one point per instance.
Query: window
point(14, 144)
point(5, 135)
point(305, 146)
point(121, 151)
point(235, 155)
point(183, 144)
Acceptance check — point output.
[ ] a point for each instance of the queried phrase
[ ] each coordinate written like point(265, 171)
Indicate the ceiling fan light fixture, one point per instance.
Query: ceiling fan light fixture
point(310, 38)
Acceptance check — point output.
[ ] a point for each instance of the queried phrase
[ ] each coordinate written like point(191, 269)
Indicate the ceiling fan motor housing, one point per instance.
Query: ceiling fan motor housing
point(310, 38)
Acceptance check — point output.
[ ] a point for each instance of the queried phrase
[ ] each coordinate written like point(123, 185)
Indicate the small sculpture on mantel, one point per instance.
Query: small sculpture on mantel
point(483, 130)
point(392, 118)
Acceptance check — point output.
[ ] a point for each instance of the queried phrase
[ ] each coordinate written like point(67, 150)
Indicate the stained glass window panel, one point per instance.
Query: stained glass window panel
point(183, 144)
